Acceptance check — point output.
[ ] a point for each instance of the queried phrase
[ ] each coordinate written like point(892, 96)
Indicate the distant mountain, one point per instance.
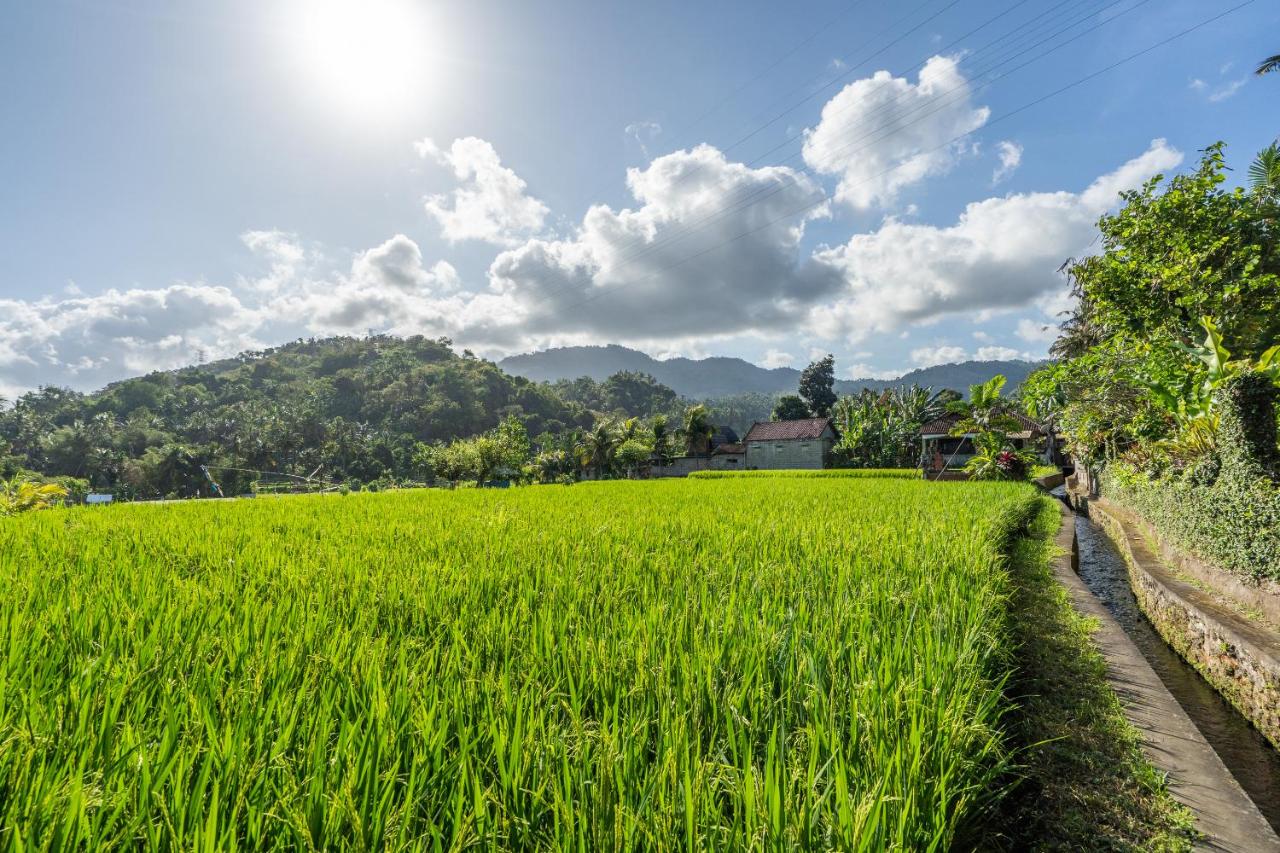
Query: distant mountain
point(710, 378)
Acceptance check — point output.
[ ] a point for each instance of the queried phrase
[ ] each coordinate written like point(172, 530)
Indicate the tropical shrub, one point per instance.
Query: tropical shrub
point(21, 494)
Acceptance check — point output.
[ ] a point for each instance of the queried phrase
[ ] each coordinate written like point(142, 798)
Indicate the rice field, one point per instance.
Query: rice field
point(734, 663)
point(878, 473)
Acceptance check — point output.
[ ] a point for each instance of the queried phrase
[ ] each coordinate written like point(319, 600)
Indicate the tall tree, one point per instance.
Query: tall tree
point(790, 408)
point(817, 386)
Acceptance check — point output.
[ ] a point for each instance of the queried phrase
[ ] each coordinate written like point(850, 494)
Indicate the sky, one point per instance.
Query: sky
point(897, 184)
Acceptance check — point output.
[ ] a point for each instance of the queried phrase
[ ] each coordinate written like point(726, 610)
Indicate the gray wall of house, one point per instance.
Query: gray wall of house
point(807, 453)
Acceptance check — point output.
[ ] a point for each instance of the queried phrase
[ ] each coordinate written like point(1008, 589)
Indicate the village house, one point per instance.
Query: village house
point(723, 453)
point(941, 449)
point(802, 443)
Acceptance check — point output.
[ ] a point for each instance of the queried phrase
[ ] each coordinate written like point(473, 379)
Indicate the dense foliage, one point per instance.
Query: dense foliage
point(1230, 513)
point(337, 409)
point(1181, 259)
point(1165, 385)
point(612, 666)
point(881, 430)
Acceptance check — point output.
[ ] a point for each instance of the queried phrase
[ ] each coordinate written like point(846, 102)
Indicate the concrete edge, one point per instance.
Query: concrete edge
point(1264, 595)
point(1239, 658)
point(1225, 816)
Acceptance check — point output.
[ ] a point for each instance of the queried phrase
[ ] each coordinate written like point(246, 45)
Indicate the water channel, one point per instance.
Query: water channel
point(1246, 753)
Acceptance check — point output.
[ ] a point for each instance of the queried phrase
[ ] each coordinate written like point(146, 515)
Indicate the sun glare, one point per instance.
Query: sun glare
point(365, 57)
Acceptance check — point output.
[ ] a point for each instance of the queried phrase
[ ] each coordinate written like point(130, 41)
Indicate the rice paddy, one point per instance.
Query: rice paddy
point(728, 663)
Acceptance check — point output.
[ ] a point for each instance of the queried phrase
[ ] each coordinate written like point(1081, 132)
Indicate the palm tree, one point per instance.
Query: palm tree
point(661, 437)
point(598, 447)
point(1271, 63)
point(985, 410)
point(1264, 171)
point(697, 430)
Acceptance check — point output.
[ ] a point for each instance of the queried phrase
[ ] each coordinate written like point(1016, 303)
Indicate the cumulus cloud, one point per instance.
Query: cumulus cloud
point(1002, 253)
point(777, 358)
point(1010, 154)
point(929, 356)
point(883, 133)
point(87, 341)
point(490, 203)
point(710, 249)
point(949, 354)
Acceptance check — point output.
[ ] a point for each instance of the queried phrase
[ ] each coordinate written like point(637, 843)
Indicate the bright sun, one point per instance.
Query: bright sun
point(365, 57)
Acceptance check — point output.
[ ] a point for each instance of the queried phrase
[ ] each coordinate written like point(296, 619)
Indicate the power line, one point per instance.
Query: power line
point(964, 90)
point(1003, 117)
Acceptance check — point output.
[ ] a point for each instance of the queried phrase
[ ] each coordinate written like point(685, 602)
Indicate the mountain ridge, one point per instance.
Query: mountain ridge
point(722, 376)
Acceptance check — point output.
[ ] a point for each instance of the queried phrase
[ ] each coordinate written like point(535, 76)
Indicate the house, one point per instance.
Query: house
point(730, 456)
point(940, 449)
point(723, 452)
point(802, 443)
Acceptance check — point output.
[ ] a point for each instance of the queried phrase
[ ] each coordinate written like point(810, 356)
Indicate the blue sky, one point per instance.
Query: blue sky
point(184, 180)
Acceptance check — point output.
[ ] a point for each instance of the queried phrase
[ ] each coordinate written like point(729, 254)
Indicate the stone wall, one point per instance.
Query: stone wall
point(1238, 656)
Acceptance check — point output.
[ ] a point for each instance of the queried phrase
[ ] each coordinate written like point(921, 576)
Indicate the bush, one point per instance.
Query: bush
point(1234, 525)
point(1226, 510)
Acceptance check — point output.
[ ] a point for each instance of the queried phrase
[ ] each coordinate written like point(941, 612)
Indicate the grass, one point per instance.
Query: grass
point(1082, 781)
point(677, 664)
point(875, 473)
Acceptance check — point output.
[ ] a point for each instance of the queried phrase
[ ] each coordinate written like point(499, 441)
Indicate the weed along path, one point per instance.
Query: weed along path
point(1247, 755)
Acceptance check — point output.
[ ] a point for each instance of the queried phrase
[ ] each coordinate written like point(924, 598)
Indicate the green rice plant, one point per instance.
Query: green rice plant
point(734, 664)
point(896, 473)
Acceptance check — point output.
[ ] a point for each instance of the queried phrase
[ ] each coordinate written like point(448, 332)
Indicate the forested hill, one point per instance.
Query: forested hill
point(710, 378)
point(349, 408)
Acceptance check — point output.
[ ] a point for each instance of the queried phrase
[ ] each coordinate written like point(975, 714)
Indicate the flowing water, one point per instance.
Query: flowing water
point(1246, 753)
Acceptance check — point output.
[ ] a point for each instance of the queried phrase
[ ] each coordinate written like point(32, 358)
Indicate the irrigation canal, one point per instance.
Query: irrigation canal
point(1246, 753)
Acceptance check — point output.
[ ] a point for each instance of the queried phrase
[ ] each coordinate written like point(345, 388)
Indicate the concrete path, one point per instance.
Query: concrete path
point(1225, 815)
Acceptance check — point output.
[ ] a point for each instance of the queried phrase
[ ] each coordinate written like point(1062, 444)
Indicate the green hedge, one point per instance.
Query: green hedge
point(891, 473)
point(1234, 526)
point(1227, 511)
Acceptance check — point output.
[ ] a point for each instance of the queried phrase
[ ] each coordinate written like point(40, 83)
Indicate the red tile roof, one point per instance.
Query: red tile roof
point(802, 430)
point(946, 423)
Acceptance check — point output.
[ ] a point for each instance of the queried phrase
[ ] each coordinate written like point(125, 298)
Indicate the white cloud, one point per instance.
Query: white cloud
point(998, 353)
point(778, 358)
point(1033, 332)
point(882, 133)
point(1010, 154)
point(490, 204)
point(87, 341)
point(929, 356)
point(1000, 254)
point(643, 132)
point(711, 249)
point(1218, 92)
point(862, 370)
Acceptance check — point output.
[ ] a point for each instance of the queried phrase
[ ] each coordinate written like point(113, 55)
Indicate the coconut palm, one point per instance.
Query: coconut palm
point(1271, 63)
point(598, 448)
point(660, 434)
point(697, 430)
point(1264, 172)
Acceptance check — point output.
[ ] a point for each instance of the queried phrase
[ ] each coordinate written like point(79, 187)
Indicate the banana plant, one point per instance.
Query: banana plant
point(19, 495)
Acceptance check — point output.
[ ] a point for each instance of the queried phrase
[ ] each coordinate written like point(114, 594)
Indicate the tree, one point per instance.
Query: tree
point(1191, 250)
point(790, 408)
point(1264, 173)
point(697, 430)
point(817, 386)
point(633, 453)
point(598, 448)
point(660, 438)
point(1271, 63)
